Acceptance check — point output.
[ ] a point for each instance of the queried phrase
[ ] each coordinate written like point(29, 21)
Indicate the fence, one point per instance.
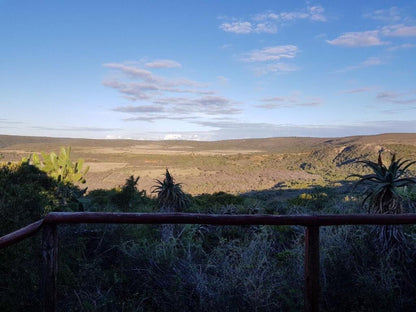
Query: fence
point(312, 223)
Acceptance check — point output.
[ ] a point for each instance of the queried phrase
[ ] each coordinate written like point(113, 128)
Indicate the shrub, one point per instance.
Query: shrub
point(383, 183)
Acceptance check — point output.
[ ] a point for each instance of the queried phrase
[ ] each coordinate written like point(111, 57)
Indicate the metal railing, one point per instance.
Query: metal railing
point(312, 223)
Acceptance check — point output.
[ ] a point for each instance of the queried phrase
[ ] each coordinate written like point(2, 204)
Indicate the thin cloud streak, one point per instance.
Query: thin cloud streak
point(386, 15)
point(163, 64)
point(359, 90)
point(397, 98)
point(270, 21)
point(290, 101)
point(274, 53)
point(77, 129)
point(358, 39)
point(274, 68)
point(372, 37)
point(399, 30)
point(370, 61)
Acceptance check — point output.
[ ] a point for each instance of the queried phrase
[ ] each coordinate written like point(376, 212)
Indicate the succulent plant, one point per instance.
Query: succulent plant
point(60, 167)
point(383, 183)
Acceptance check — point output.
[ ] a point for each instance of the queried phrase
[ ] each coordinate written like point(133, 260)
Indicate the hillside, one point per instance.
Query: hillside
point(234, 166)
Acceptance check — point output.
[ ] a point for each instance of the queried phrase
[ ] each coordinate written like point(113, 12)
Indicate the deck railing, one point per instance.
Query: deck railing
point(312, 223)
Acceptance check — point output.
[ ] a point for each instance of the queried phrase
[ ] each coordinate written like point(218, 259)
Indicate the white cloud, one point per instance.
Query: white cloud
point(388, 15)
point(268, 22)
point(205, 105)
point(133, 90)
point(237, 27)
point(266, 28)
point(399, 30)
point(269, 59)
point(314, 13)
point(146, 85)
point(159, 98)
point(131, 71)
point(271, 53)
point(358, 39)
point(372, 37)
point(248, 27)
point(266, 16)
point(274, 68)
point(163, 64)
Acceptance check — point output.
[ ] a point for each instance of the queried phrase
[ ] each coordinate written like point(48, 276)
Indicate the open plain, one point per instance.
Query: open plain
point(235, 166)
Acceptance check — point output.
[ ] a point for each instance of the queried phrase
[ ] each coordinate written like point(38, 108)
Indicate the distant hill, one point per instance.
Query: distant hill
point(287, 144)
point(234, 166)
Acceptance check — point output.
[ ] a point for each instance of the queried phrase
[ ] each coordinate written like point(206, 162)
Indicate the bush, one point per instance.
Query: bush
point(26, 195)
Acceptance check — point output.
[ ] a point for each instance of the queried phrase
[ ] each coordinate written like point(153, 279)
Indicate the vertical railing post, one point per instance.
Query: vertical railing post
point(312, 287)
point(50, 266)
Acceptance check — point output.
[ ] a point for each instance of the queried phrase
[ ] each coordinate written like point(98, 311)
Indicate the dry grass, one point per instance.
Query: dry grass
point(235, 166)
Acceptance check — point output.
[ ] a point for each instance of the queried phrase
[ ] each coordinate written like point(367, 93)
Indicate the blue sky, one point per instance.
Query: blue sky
point(207, 70)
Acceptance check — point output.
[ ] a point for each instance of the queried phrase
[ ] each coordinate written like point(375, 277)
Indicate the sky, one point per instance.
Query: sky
point(207, 69)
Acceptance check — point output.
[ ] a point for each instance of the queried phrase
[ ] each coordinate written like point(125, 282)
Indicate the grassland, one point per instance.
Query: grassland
point(234, 166)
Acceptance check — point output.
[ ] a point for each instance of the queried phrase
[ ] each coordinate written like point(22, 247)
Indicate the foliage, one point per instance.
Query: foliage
point(60, 167)
point(125, 198)
point(201, 267)
point(170, 196)
point(382, 184)
point(26, 195)
point(212, 203)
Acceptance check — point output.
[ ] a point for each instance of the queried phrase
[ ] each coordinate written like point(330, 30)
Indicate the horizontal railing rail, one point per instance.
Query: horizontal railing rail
point(20, 234)
point(215, 219)
point(312, 223)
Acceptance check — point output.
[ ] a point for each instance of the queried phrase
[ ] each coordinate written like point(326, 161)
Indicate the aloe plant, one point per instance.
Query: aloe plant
point(171, 198)
point(383, 183)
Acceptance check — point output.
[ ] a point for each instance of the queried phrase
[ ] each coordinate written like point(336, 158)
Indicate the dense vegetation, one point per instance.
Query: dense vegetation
point(199, 267)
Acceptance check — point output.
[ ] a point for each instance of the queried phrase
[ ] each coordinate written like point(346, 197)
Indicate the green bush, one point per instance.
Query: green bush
point(200, 267)
point(26, 195)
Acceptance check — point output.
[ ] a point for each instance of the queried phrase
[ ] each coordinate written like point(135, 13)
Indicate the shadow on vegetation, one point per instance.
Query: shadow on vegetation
point(200, 267)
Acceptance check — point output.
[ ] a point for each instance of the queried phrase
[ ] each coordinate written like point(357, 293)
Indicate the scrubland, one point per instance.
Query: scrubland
point(206, 268)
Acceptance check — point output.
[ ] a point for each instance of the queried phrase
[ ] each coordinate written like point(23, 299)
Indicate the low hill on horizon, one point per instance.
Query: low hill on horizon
point(234, 166)
point(264, 144)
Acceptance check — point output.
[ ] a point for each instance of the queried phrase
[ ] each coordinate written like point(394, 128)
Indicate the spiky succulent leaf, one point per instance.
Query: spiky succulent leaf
point(382, 183)
point(170, 195)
